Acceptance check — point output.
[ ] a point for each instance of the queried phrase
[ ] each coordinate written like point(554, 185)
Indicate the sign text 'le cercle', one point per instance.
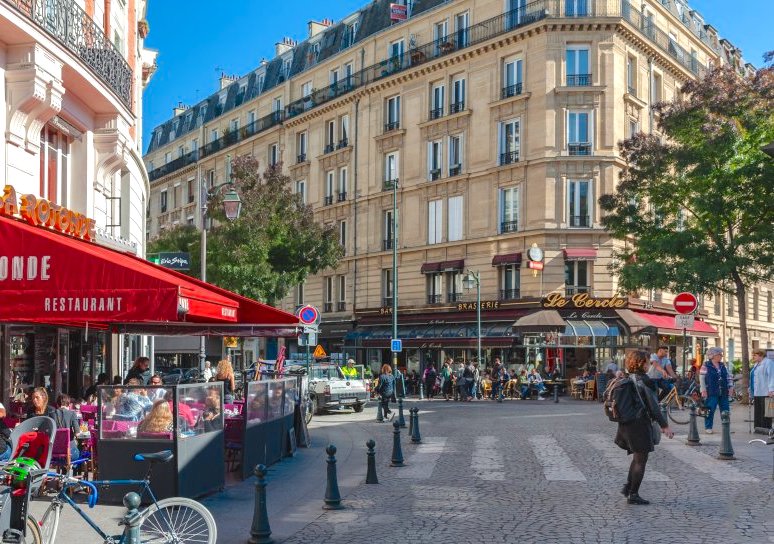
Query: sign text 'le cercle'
point(582, 301)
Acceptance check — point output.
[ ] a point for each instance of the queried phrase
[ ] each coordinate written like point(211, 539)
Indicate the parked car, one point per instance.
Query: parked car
point(330, 390)
point(177, 376)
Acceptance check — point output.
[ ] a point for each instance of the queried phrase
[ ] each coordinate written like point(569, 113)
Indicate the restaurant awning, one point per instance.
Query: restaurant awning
point(635, 323)
point(50, 278)
point(451, 266)
point(430, 268)
point(506, 259)
point(543, 320)
point(666, 325)
point(589, 328)
point(580, 254)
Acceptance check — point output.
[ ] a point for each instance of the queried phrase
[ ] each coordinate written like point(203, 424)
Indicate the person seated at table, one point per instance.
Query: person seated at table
point(536, 381)
point(156, 393)
point(142, 393)
point(159, 420)
point(90, 395)
point(5, 436)
point(184, 413)
point(211, 415)
point(524, 384)
point(67, 419)
point(129, 406)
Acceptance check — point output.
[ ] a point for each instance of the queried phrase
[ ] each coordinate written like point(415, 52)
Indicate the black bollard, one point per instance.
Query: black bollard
point(371, 474)
point(332, 495)
point(379, 415)
point(260, 532)
point(411, 421)
point(401, 420)
point(693, 430)
point(556, 392)
point(726, 452)
point(415, 437)
point(397, 453)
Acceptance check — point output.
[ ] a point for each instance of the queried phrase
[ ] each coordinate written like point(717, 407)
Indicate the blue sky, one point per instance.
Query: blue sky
point(196, 41)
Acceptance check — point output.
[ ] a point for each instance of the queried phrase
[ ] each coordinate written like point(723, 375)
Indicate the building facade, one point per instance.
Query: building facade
point(495, 128)
point(72, 74)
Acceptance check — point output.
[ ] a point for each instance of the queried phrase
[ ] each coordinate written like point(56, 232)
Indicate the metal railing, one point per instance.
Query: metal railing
point(434, 299)
point(66, 22)
point(457, 107)
point(509, 294)
point(387, 302)
point(344, 142)
point(392, 125)
point(389, 184)
point(511, 90)
point(478, 33)
point(580, 220)
point(509, 226)
point(436, 113)
point(327, 307)
point(341, 306)
point(579, 148)
point(329, 148)
point(509, 157)
point(631, 90)
point(328, 200)
point(435, 174)
point(455, 170)
point(387, 244)
point(301, 158)
point(570, 290)
point(342, 196)
point(578, 80)
point(454, 297)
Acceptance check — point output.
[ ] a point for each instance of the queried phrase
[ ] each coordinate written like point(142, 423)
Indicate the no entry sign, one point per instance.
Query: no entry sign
point(685, 303)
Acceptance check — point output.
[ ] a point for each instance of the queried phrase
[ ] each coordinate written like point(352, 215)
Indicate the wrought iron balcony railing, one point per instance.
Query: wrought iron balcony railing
point(434, 299)
point(435, 174)
point(511, 90)
point(509, 157)
point(301, 158)
point(455, 170)
point(509, 226)
point(570, 290)
point(392, 125)
point(510, 294)
point(344, 142)
point(341, 306)
point(579, 148)
point(578, 80)
point(342, 196)
point(580, 220)
point(387, 244)
point(73, 28)
point(328, 200)
point(328, 307)
point(454, 297)
point(390, 184)
point(329, 148)
point(457, 107)
point(436, 113)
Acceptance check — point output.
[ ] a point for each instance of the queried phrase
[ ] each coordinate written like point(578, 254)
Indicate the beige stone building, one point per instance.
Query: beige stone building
point(498, 124)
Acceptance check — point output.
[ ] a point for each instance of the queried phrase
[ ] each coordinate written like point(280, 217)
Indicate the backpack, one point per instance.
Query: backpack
point(620, 403)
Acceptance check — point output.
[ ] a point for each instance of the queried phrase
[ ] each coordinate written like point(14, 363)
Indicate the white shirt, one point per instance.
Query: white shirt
point(764, 378)
point(207, 374)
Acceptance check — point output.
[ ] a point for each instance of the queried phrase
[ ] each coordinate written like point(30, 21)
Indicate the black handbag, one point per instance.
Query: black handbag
point(655, 428)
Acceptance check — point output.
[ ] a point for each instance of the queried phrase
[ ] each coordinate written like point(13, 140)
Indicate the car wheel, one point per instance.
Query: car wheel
point(358, 407)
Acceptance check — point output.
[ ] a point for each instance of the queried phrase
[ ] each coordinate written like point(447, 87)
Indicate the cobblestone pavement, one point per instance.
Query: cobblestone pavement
point(539, 472)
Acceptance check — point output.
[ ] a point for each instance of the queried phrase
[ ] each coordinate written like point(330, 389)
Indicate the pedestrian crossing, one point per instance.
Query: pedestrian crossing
point(556, 464)
point(422, 460)
point(614, 457)
point(487, 463)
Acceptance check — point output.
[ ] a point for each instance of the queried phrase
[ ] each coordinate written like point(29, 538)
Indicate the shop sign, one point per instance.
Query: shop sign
point(485, 305)
point(398, 12)
point(387, 310)
point(40, 212)
point(582, 301)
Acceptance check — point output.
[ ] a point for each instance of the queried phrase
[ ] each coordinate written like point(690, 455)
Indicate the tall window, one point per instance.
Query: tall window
point(301, 146)
point(387, 286)
point(575, 8)
point(344, 135)
point(392, 113)
point(330, 178)
point(455, 155)
point(180, 150)
point(435, 222)
point(656, 91)
point(458, 95)
point(343, 235)
point(342, 184)
point(391, 166)
point(510, 282)
point(54, 165)
point(456, 218)
point(578, 72)
point(578, 133)
point(509, 209)
point(277, 105)
point(330, 136)
point(396, 49)
point(434, 159)
point(213, 135)
point(234, 127)
point(273, 155)
point(513, 73)
point(348, 73)
point(440, 33)
point(163, 201)
point(299, 294)
point(576, 277)
point(517, 10)
point(461, 24)
point(387, 234)
point(306, 89)
point(631, 75)
point(334, 77)
point(579, 203)
point(437, 101)
point(342, 305)
point(301, 190)
point(434, 288)
point(510, 141)
point(191, 190)
point(454, 286)
point(328, 293)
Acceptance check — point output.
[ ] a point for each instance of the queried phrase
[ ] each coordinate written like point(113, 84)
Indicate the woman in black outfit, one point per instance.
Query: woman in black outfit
point(635, 436)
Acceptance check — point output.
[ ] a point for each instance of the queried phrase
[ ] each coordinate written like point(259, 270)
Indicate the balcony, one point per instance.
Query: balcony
point(172, 166)
point(510, 294)
point(328, 200)
point(329, 148)
point(344, 142)
point(571, 290)
point(509, 157)
point(435, 174)
point(455, 170)
point(631, 90)
point(341, 306)
point(457, 107)
point(342, 196)
point(390, 184)
point(509, 226)
point(454, 297)
point(434, 299)
point(580, 221)
point(579, 148)
point(387, 302)
point(578, 80)
point(392, 125)
point(301, 158)
point(328, 307)
point(511, 90)
point(387, 244)
point(436, 113)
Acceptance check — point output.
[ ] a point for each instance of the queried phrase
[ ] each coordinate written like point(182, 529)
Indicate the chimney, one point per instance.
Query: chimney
point(284, 46)
point(316, 27)
point(226, 80)
point(180, 108)
point(264, 62)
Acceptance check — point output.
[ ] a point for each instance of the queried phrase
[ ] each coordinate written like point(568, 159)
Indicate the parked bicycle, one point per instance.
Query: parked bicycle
point(174, 520)
point(679, 406)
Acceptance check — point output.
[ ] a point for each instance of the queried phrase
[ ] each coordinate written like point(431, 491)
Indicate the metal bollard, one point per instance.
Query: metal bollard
point(379, 414)
point(397, 453)
point(371, 474)
point(726, 452)
point(401, 420)
point(556, 392)
point(332, 495)
point(132, 520)
point(693, 430)
point(260, 532)
point(411, 421)
point(415, 437)
point(421, 390)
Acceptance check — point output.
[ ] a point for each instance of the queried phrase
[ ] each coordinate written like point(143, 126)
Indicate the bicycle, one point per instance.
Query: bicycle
point(20, 479)
point(173, 520)
point(679, 406)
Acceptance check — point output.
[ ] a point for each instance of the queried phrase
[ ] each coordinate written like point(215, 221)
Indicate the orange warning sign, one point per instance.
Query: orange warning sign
point(319, 352)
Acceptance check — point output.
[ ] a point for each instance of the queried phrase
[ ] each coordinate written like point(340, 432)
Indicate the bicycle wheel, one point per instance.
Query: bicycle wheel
point(33, 535)
point(680, 412)
point(178, 520)
point(49, 524)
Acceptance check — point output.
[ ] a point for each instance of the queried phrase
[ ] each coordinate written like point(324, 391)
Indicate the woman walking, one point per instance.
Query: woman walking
point(446, 380)
point(636, 436)
point(429, 379)
point(717, 386)
point(386, 388)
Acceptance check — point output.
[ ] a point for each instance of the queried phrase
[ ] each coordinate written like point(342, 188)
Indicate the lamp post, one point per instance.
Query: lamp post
point(394, 272)
point(474, 278)
point(232, 206)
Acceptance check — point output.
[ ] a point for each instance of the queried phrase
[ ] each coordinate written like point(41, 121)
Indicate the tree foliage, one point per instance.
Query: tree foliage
point(695, 206)
point(273, 245)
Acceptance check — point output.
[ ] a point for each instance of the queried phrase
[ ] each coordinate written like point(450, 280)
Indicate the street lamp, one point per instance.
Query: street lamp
point(232, 207)
point(474, 278)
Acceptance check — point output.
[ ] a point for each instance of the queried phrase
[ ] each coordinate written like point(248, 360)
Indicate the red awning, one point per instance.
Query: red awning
point(666, 324)
point(458, 264)
point(430, 268)
point(580, 254)
point(506, 259)
point(47, 277)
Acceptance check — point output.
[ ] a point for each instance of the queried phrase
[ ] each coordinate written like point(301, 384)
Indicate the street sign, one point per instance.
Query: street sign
point(308, 315)
point(319, 352)
point(396, 345)
point(685, 303)
point(308, 338)
point(684, 321)
point(535, 265)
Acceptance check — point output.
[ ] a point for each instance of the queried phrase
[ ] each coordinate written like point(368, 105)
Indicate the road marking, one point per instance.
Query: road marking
point(556, 463)
point(718, 470)
point(421, 463)
point(616, 458)
point(557, 415)
point(487, 463)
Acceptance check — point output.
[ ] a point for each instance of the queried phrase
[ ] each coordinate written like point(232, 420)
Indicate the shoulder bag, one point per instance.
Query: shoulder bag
point(655, 428)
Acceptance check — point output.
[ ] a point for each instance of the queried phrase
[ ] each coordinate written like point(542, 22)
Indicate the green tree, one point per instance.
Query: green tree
point(274, 245)
point(182, 238)
point(695, 208)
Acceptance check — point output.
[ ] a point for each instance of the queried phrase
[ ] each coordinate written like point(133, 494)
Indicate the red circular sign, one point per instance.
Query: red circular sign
point(685, 303)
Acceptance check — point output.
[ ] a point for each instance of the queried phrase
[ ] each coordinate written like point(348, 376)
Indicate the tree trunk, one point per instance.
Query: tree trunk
point(741, 299)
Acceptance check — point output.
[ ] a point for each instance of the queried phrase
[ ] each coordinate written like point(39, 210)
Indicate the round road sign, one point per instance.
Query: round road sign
point(685, 303)
point(308, 315)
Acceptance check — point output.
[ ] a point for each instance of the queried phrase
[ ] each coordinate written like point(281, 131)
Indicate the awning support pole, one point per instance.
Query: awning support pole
point(685, 339)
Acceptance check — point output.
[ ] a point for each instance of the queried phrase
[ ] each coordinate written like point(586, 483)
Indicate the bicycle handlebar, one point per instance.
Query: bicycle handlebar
point(69, 482)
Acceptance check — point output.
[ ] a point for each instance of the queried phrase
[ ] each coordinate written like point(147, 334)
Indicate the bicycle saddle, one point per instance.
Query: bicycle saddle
point(163, 456)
